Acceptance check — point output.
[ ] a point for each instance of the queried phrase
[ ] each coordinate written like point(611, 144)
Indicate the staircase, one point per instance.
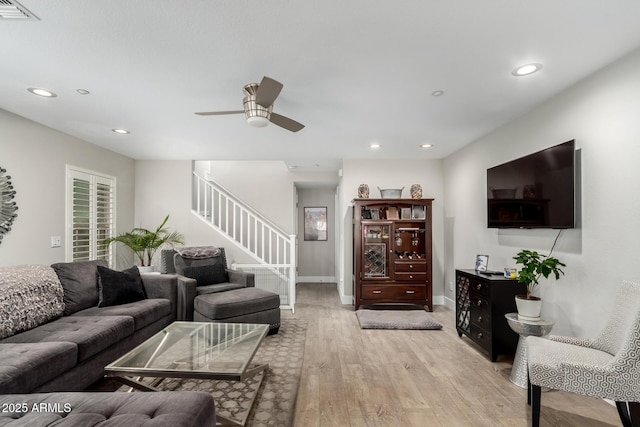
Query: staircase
point(271, 247)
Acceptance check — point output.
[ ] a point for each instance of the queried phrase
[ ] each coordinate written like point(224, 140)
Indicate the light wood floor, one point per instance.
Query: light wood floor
point(355, 377)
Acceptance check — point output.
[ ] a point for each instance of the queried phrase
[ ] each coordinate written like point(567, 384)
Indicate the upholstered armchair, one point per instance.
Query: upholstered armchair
point(607, 366)
point(205, 271)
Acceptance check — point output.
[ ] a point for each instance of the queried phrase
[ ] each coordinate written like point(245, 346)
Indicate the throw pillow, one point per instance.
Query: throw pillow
point(80, 284)
point(199, 252)
point(207, 274)
point(181, 263)
point(119, 287)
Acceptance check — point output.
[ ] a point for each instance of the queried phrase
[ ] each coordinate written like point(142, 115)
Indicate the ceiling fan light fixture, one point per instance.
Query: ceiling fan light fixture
point(258, 121)
point(258, 106)
point(257, 115)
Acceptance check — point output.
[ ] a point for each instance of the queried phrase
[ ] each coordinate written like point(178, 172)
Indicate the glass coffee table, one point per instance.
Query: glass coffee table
point(198, 350)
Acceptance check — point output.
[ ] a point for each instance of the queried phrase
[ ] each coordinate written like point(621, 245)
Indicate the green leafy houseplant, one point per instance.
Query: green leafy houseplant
point(145, 243)
point(535, 266)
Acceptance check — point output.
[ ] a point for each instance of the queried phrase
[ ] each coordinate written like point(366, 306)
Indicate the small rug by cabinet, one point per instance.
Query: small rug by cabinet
point(396, 319)
point(275, 398)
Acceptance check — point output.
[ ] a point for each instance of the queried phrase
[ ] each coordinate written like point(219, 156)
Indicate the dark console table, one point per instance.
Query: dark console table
point(482, 300)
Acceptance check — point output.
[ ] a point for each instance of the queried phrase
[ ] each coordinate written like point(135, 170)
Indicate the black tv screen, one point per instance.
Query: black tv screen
point(535, 191)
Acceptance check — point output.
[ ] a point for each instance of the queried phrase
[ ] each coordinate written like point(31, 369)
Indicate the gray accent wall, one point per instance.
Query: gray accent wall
point(317, 259)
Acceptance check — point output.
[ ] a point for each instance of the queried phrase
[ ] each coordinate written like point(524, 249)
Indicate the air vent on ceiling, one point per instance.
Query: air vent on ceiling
point(10, 9)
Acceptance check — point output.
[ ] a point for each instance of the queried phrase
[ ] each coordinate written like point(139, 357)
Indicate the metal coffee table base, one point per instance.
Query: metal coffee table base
point(221, 420)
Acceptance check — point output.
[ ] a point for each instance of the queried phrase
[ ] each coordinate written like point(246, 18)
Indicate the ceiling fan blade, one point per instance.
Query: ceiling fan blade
point(268, 91)
point(286, 122)
point(220, 113)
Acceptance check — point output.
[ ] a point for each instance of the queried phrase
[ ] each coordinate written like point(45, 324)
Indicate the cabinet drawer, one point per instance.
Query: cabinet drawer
point(479, 287)
point(480, 310)
point(411, 277)
point(410, 266)
point(481, 318)
point(480, 337)
point(400, 292)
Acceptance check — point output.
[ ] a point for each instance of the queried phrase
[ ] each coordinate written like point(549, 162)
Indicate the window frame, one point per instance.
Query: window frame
point(94, 179)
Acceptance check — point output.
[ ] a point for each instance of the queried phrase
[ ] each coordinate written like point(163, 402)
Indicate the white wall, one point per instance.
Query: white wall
point(317, 259)
point(35, 157)
point(602, 114)
point(389, 173)
point(164, 187)
point(266, 186)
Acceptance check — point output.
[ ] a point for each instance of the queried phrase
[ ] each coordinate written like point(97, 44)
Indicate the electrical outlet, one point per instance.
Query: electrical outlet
point(56, 241)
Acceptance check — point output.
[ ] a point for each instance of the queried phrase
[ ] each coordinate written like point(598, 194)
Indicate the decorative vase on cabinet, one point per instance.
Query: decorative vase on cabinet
point(416, 191)
point(363, 191)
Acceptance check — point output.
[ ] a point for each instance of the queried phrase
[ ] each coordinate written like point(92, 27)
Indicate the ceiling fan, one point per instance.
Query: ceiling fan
point(258, 106)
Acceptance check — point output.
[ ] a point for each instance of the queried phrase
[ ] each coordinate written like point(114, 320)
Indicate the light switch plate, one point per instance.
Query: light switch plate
point(56, 241)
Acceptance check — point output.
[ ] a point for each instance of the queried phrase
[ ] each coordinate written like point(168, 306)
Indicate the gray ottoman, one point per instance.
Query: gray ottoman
point(93, 409)
point(246, 305)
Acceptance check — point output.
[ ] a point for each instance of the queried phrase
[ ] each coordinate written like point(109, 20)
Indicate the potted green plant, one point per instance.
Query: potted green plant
point(534, 266)
point(145, 243)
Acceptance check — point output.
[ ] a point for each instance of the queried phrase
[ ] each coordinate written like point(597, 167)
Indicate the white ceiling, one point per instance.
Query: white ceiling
point(354, 72)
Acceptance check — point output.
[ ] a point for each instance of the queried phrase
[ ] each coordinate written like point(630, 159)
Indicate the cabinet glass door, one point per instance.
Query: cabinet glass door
point(375, 250)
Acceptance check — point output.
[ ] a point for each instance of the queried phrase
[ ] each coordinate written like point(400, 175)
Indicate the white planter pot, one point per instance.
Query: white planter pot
point(146, 269)
point(528, 309)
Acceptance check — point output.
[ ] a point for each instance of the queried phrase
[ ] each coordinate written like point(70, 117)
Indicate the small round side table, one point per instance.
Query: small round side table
point(524, 328)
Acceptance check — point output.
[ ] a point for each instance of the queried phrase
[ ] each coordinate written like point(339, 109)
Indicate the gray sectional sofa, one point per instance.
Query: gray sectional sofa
point(60, 325)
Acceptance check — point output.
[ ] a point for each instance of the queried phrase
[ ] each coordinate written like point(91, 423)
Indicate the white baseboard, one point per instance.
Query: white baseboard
point(347, 299)
point(448, 302)
point(316, 279)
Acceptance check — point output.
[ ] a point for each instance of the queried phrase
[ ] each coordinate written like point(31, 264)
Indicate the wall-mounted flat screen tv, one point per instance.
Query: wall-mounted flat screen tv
point(534, 191)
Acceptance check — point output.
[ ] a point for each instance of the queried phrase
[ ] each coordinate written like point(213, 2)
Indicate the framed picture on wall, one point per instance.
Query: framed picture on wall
point(315, 223)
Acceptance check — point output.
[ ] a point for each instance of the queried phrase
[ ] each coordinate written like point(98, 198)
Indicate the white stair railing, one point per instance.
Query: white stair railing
point(250, 231)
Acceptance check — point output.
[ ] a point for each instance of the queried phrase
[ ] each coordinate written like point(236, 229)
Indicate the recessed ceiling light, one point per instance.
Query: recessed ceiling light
point(426, 145)
point(83, 92)
point(375, 146)
point(42, 92)
point(437, 93)
point(293, 167)
point(525, 70)
point(121, 131)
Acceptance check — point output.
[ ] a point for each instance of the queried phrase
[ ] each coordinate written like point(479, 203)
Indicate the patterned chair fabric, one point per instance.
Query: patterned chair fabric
point(607, 366)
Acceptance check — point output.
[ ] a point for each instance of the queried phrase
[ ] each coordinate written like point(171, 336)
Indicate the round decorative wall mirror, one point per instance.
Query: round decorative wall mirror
point(8, 207)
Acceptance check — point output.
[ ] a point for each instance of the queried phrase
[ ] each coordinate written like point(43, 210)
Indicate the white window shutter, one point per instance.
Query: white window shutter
point(90, 215)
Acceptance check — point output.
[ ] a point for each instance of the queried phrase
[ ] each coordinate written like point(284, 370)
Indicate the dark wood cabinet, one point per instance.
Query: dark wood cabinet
point(392, 251)
point(482, 300)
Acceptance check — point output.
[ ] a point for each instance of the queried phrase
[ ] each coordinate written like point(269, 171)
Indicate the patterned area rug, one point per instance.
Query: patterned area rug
point(396, 319)
point(275, 398)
